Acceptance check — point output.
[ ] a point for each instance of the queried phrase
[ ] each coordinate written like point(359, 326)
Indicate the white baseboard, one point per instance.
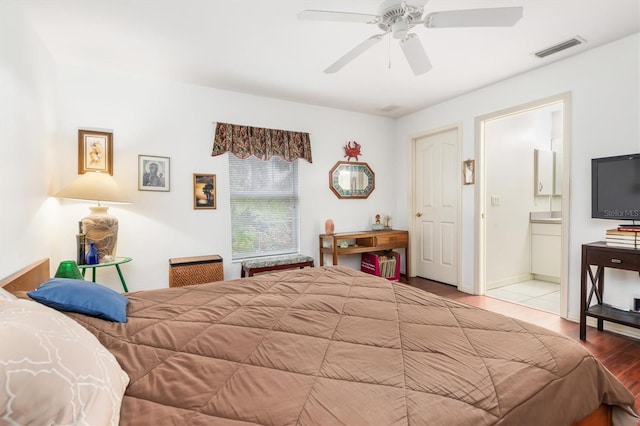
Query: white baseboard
point(508, 281)
point(547, 278)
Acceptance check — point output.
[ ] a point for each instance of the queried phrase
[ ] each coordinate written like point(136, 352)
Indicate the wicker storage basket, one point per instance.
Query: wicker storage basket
point(195, 270)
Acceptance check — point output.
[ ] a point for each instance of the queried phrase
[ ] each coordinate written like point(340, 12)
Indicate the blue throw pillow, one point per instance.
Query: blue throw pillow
point(83, 297)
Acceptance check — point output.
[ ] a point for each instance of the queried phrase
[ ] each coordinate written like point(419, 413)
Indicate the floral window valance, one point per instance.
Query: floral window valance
point(244, 141)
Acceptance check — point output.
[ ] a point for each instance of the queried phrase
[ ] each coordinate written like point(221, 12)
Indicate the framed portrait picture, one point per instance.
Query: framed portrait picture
point(204, 191)
point(468, 172)
point(95, 152)
point(154, 173)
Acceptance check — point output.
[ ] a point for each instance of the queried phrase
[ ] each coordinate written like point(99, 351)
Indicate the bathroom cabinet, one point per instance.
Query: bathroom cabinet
point(544, 171)
point(545, 249)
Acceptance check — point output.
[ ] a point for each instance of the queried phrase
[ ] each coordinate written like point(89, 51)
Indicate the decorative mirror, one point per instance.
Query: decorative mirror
point(352, 180)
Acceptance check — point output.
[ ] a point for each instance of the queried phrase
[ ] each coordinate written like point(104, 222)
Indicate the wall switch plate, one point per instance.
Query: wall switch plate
point(495, 200)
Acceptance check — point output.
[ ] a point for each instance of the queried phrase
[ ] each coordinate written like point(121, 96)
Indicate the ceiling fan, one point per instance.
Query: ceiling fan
point(397, 18)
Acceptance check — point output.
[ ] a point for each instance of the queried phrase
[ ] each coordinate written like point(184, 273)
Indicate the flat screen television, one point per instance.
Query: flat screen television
point(615, 187)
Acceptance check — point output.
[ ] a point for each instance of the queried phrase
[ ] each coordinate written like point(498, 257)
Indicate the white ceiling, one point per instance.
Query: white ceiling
point(261, 47)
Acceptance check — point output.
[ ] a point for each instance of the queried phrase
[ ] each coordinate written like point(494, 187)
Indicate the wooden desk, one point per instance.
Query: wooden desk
point(363, 242)
point(603, 256)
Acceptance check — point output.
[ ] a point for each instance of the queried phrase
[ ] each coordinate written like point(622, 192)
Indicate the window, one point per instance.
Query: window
point(264, 207)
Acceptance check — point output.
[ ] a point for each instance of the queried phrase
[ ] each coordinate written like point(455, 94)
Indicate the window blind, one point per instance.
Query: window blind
point(264, 207)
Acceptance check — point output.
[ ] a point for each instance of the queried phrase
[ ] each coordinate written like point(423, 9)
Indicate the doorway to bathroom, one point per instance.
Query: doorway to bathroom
point(522, 222)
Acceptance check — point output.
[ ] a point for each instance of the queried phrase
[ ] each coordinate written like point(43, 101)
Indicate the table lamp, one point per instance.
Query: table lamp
point(100, 227)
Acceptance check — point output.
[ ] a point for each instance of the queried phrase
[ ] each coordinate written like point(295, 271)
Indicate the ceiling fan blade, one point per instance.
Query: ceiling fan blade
point(415, 54)
point(354, 53)
point(326, 15)
point(417, 3)
point(489, 17)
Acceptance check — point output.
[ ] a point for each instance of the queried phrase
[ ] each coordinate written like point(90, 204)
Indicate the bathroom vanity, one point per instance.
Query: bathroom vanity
point(545, 243)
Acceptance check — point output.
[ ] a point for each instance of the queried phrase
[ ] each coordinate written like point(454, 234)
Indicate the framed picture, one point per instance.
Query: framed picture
point(468, 172)
point(204, 191)
point(95, 152)
point(154, 173)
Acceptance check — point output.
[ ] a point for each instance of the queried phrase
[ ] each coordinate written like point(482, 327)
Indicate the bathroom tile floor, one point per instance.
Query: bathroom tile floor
point(541, 295)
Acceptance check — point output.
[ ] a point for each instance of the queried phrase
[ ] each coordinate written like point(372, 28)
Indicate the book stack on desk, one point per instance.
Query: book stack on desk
point(624, 236)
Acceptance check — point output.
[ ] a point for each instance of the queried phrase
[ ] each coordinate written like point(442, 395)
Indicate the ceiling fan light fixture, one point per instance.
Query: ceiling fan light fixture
point(400, 29)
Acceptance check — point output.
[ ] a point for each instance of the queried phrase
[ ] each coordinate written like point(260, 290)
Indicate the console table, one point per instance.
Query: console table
point(363, 242)
point(603, 256)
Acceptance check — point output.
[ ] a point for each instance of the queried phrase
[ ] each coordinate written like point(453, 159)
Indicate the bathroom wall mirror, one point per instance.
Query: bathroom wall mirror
point(547, 172)
point(543, 172)
point(351, 180)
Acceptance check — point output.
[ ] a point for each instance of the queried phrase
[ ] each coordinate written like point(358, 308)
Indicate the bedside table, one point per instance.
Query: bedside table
point(117, 262)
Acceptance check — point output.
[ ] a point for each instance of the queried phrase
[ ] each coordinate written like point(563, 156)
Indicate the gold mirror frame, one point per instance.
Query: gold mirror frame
point(352, 180)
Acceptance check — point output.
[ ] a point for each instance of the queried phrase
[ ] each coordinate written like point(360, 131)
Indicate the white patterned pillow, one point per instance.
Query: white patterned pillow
point(5, 296)
point(54, 371)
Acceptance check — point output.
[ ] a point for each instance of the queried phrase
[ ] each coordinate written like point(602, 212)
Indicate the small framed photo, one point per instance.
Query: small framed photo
point(468, 172)
point(95, 152)
point(154, 173)
point(204, 191)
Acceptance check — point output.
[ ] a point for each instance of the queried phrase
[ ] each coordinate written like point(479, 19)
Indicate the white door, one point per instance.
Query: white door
point(436, 199)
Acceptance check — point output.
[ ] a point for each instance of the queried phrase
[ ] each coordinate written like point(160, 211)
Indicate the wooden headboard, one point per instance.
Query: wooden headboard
point(27, 278)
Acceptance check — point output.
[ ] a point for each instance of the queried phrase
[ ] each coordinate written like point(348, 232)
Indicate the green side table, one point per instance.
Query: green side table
point(116, 262)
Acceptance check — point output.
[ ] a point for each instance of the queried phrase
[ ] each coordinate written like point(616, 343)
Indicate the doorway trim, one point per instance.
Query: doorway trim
point(412, 203)
point(480, 285)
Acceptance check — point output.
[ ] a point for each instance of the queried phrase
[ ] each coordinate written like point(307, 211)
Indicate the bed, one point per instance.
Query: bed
point(331, 345)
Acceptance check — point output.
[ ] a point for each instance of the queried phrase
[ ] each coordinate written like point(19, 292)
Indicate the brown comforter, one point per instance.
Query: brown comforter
point(331, 345)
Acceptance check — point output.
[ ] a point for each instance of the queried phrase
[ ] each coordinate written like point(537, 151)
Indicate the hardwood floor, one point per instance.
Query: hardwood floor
point(620, 354)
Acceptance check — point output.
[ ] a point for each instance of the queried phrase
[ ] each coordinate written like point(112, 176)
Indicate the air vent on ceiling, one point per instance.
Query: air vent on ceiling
point(559, 47)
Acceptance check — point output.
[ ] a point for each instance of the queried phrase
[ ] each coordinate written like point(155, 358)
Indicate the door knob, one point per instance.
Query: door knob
point(418, 214)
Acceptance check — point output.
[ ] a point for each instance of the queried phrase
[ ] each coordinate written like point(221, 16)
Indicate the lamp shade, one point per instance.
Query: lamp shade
point(68, 269)
point(99, 227)
point(94, 186)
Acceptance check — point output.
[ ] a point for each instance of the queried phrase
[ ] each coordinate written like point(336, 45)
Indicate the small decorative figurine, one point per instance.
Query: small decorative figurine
point(377, 226)
point(328, 226)
point(387, 220)
point(352, 150)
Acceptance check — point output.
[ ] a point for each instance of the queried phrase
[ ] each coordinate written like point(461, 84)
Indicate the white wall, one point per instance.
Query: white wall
point(27, 122)
point(154, 117)
point(605, 89)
